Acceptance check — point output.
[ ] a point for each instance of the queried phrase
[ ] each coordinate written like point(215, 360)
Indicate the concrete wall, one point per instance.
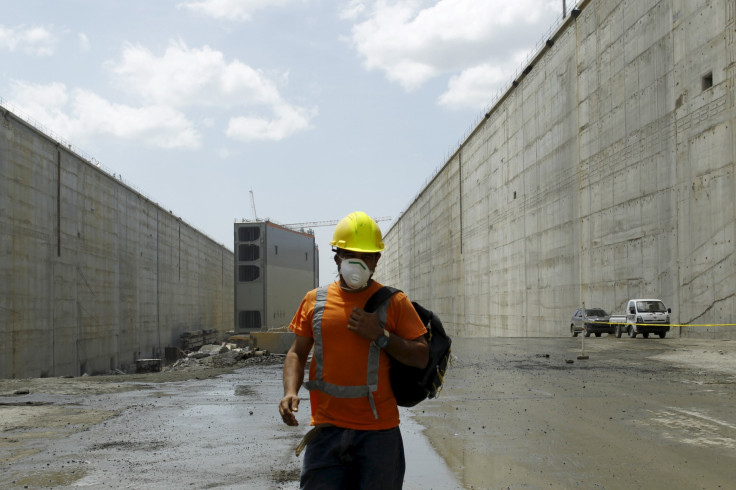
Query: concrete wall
point(94, 275)
point(605, 172)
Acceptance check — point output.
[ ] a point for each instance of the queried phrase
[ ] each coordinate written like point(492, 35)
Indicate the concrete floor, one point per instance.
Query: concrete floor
point(638, 413)
point(222, 432)
point(515, 413)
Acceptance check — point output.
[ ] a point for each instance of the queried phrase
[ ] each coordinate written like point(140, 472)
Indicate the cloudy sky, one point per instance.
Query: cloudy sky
point(320, 107)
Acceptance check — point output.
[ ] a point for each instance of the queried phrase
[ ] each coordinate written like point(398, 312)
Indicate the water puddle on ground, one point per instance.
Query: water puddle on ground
point(242, 390)
point(425, 469)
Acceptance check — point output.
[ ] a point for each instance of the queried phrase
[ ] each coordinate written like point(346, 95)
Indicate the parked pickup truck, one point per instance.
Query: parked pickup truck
point(643, 316)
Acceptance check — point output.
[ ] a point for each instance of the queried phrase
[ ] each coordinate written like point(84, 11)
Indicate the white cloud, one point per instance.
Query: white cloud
point(413, 41)
point(35, 41)
point(238, 10)
point(287, 121)
point(80, 115)
point(352, 10)
point(84, 43)
point(184, 77)
point(160, 125)
point(45, 102)
point(475, 86)
point(167, 86)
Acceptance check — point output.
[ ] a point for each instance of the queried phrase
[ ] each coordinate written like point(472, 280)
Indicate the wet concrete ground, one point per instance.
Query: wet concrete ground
point(514, 414)
point(222, 432)
point(638, 413)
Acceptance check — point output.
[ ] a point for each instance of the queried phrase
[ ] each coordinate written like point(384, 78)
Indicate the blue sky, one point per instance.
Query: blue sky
point(319, 107)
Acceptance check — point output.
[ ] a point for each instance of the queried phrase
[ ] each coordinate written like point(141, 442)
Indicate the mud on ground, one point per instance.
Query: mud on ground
point(637, 413)
point(36, 411)
point(515, 413)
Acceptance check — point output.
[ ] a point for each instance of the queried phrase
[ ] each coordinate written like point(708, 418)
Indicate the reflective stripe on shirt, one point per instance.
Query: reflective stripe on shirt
point(374, 352)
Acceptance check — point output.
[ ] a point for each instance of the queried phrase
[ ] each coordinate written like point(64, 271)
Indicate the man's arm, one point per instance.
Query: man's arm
point(412, 352)
point(294, 364)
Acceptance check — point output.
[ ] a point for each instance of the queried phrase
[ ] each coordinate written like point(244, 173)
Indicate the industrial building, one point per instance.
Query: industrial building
point(274, 267)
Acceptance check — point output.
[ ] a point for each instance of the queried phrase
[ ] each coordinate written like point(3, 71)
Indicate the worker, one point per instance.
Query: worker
point(356, 442)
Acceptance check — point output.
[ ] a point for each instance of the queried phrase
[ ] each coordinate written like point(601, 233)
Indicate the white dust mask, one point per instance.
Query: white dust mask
point(355, 273)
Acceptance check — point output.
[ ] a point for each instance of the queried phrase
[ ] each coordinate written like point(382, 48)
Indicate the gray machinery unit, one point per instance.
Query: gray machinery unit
point(274, 267)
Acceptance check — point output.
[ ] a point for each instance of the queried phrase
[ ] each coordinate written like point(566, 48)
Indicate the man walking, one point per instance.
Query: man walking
point(356, 442)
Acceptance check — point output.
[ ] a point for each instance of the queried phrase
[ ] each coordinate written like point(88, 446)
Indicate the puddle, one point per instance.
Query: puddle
point(221, 432)
point(242, 390)
point(425, 469)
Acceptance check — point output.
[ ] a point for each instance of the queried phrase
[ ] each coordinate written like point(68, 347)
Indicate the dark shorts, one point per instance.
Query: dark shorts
point(354, 459)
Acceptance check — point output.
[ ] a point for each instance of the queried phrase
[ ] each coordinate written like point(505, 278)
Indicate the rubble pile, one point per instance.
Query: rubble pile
point(222, 356)
point(197, 338)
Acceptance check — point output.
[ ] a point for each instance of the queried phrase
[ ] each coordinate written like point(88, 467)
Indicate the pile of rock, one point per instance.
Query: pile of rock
point(197, 338)
point(219, 356)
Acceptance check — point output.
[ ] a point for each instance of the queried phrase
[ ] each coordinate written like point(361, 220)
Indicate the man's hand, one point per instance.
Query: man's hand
point(414, 352)
point(365, 324)
point(296, 360)
point(289, 404)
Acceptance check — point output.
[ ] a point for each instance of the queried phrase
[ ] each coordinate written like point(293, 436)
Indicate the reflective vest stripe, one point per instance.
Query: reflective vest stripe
point(319, 308)
point(374, 352)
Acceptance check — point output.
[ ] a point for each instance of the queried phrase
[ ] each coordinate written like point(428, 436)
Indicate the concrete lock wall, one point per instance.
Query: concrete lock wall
point(94, 275)
point(605, 172)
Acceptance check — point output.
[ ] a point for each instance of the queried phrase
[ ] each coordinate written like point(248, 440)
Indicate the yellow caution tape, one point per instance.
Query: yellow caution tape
point(706, 325)
point(671, 324)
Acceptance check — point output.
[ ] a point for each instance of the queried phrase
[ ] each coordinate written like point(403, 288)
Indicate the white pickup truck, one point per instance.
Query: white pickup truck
point(643, 316)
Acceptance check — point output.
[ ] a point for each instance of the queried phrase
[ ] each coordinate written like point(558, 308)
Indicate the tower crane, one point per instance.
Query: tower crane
point(306, 224)
point(253, 205)
point(332, 222)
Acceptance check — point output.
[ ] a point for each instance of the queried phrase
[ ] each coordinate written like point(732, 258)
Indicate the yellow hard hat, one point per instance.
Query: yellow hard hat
point(358, 232)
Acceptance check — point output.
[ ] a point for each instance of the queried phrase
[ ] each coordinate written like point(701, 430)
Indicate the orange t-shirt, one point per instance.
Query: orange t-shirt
point(346, 357)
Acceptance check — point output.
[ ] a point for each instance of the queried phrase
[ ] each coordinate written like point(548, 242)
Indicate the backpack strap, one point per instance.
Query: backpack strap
point(379, 297)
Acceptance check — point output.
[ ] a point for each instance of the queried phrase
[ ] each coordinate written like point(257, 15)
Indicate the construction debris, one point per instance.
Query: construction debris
point(194, 340)
point(147, 365)
point(219, 356)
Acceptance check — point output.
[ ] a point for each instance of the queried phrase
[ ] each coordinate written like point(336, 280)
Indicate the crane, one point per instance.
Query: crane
point(316, 224)
point(253, 205)
point(308, 224)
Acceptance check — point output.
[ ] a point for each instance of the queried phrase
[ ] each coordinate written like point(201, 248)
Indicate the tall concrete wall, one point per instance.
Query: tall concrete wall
point(94, 275)
point(605, 172)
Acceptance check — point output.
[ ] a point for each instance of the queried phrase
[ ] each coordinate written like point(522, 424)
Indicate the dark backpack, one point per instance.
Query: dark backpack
point(412, 385)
